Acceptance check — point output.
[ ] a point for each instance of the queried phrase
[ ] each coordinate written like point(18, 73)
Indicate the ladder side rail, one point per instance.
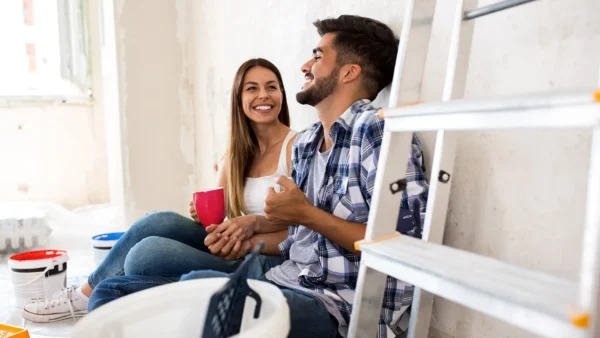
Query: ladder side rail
point(371, 283)
point(589, 281)
point(457, 58)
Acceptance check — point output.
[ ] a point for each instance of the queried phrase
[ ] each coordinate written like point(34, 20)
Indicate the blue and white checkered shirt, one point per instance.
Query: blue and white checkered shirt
point(346, 193)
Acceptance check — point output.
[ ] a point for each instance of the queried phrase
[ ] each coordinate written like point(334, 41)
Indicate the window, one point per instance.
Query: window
point(44, 49)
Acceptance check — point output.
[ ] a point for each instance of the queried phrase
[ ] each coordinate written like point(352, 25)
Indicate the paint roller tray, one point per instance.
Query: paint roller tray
point(13, 332)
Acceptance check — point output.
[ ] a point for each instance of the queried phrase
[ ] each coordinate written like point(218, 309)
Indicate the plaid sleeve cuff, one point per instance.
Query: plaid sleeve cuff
point(284, 247)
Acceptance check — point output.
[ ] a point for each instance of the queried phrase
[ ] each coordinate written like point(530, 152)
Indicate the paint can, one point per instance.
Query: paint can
point(38, 274)
point(102, 244)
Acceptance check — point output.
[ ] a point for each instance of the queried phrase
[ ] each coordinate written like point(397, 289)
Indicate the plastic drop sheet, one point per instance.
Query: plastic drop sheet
point(71, 231)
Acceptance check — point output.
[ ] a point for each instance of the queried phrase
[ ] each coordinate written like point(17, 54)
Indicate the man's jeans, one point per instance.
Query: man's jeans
point(308, 315)
point(146, 249)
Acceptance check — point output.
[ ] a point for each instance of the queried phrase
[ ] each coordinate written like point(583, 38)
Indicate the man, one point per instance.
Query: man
point(333, 169)
point(326, 206)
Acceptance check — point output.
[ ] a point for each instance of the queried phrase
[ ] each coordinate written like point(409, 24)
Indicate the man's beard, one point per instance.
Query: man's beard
point(319, 90)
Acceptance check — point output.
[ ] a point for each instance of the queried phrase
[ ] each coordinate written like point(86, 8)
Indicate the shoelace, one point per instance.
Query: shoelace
point(64, 296)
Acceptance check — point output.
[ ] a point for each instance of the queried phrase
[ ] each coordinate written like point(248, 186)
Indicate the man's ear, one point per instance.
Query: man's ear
point(350, 72)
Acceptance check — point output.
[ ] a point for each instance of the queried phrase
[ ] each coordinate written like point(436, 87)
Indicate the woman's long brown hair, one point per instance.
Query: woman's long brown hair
point(242, 140)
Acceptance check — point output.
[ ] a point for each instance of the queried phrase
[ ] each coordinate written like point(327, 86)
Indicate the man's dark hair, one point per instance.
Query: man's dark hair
point(366, 42)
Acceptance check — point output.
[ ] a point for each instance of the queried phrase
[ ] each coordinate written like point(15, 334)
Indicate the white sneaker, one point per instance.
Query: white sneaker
point(64, 304)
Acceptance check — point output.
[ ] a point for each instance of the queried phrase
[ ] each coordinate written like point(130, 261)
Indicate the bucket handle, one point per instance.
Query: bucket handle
point(40, 275)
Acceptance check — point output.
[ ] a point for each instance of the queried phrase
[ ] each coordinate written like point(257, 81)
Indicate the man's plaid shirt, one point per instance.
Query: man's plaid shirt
point(346, 193)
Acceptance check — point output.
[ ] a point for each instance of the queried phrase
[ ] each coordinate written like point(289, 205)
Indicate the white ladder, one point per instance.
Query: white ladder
point(534, 301)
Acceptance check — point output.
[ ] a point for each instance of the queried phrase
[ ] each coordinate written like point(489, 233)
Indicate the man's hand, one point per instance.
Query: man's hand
point(237, 252)
point(287, 207)
point(233, 250)
point(193, 213)
point(239, 228)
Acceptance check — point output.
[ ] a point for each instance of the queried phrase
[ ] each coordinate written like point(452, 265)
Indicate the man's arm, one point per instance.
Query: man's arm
point(342, 232)
point(417, 187)
point(291, 207)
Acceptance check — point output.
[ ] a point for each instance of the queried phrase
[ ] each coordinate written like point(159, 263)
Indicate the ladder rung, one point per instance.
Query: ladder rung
point(534, 301)
point(531, 111)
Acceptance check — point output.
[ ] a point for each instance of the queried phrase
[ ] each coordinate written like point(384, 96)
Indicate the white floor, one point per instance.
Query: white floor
point(72, 232)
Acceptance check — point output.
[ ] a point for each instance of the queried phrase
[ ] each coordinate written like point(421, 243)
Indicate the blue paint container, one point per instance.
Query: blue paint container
point(103, 243)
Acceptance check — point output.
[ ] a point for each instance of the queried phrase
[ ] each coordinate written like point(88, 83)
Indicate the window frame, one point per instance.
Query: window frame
point(75, 62)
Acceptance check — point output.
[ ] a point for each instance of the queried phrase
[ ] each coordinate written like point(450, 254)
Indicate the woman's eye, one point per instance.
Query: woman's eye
point(273, 87)
point(251, 88)
point(317, 58)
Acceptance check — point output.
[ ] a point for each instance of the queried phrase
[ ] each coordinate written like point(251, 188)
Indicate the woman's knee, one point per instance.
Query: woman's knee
point(156, 223)
point(144, 254)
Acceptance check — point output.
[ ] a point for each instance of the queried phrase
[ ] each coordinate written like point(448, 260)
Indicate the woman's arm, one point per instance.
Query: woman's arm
point(239, 229)
point(233, 250)
point(224, 237)
point(264, 226)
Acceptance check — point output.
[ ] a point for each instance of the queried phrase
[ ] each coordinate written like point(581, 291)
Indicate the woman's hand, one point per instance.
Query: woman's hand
point(193, 213)
point(237, 229)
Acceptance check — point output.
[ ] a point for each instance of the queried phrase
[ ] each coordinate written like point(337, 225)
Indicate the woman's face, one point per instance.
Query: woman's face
point(261, 95)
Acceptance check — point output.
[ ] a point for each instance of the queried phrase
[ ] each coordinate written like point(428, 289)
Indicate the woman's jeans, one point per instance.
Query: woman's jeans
point(161, 244)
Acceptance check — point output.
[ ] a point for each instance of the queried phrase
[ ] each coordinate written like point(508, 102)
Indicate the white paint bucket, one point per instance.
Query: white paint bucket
point(38, 274)
point(147, 314)
point(103, 243)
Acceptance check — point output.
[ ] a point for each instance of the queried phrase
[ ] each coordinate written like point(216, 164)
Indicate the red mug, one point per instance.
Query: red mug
point(210, 206)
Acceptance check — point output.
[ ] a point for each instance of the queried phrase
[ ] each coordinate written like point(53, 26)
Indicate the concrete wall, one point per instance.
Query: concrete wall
point(156, 114)
point(52, 153)
point(517, 196)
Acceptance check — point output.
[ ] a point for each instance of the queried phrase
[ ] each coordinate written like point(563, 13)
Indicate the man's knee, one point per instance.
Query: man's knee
point(117, 287)
point(203, 274)
point(308, 316)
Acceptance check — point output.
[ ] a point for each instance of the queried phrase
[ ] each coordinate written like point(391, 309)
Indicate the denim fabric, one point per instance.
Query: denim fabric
point(158, 224)
point(116, 287)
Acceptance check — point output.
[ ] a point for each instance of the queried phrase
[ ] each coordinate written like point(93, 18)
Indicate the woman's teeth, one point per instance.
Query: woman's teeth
point(263, 107)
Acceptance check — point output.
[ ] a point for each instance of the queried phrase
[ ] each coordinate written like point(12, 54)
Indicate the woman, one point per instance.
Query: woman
point(168, 244)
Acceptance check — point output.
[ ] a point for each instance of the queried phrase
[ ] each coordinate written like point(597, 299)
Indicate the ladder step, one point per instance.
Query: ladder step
point(534, 301)
point(547, 110)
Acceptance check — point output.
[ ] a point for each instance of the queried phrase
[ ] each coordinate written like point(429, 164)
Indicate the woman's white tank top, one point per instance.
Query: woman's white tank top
point(255, 188)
